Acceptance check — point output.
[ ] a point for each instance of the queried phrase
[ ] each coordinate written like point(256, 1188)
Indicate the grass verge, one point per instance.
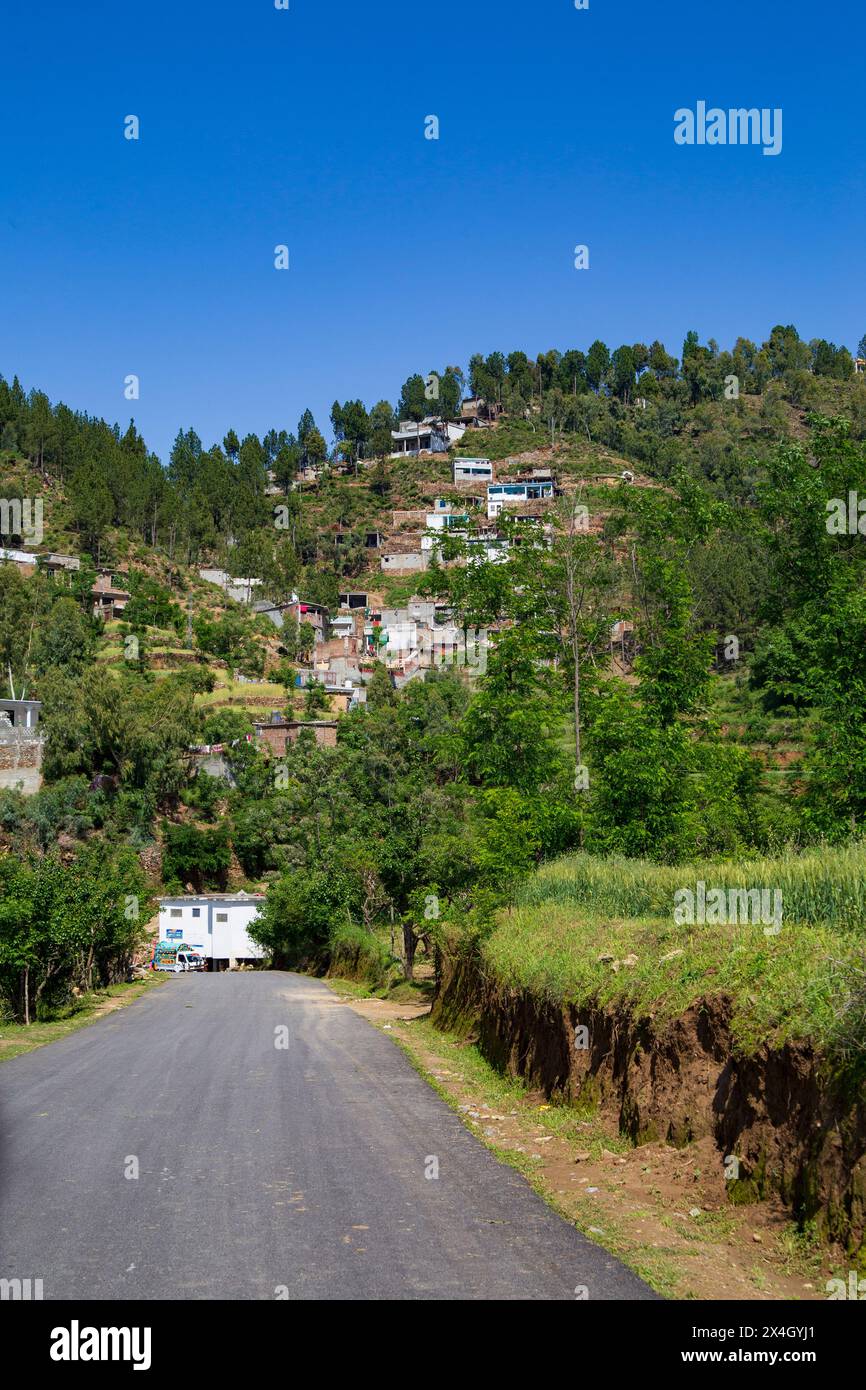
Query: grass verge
point(656, 1208)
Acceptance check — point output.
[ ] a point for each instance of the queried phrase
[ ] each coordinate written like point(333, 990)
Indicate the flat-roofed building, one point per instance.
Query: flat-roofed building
point(214, 924)
point(470, 470)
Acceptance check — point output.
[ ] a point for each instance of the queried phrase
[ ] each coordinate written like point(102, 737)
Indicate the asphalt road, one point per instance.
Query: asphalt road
point(295, 1171)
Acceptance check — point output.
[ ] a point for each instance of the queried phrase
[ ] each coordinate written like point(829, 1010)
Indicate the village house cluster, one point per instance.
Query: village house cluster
point(419, 532)
point(348, 642)
point(109, 598)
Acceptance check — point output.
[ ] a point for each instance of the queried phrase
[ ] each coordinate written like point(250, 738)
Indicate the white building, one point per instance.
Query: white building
point(443, 522)
point(430, 435)
point(501, 495)
point(19, 557)
point(470, 470)
point(401, 562)
point(214, 924)
point(241, 590)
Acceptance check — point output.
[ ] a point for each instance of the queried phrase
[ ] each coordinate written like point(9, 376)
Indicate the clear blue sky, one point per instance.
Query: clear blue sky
point(305, 127)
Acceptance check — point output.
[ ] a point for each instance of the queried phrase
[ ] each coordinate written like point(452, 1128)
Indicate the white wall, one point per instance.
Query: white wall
point(216, 939)
point(229, 939)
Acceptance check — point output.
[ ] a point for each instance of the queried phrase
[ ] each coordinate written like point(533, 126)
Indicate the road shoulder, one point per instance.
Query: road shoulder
point(656, 1208)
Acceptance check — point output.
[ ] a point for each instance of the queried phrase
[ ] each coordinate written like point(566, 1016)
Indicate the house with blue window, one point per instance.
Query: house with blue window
point(538, 488)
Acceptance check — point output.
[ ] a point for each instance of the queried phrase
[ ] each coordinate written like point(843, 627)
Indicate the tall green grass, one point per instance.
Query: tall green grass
point(590, 931)
point(356, 954)
point(826, 886)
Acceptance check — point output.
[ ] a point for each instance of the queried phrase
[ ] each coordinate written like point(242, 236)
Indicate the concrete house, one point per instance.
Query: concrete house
point(517, 493)
point(353, 598)
point(215, 924)
point(21, 746)
point(241, 590)
point(59, 564)
point(24, 559)
point(280, 732)
point(19, 715)
point(109, 601)
point(428, 436)
point(468, 470)
point(324, 731)
point(399, 562)
point(343, 625)
point(478, 413)
point(316, 614)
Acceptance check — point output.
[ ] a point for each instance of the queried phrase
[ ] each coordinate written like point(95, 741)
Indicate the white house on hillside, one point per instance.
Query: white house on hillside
point(430, 435)
point(468, 470)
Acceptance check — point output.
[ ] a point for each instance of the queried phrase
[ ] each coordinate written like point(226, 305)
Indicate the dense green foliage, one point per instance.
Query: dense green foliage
point(438, 800)
point(66, 927)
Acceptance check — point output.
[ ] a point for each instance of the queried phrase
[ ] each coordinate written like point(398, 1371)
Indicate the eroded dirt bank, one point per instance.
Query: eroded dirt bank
point(779, 1124)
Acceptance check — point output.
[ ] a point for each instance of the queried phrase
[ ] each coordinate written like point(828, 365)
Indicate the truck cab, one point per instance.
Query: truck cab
point(176, 958)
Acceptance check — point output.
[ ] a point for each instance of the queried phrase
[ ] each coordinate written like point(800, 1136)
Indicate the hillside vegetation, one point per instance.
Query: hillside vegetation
point(673, 671)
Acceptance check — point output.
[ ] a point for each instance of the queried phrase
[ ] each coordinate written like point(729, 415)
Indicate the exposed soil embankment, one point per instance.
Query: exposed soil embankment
point(779, 1123)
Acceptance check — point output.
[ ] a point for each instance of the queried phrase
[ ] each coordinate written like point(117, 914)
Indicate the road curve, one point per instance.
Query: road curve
point(294, 1170)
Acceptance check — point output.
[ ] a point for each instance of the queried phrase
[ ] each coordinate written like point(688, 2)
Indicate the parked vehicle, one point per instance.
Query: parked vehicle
point(188, 960)
point(176, 958)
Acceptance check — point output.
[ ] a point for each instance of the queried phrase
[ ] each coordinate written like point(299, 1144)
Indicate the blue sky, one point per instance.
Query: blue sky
point(306, 127)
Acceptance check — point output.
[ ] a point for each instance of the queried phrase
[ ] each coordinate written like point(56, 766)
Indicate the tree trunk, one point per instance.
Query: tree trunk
point(577, 706)
point(410, 942)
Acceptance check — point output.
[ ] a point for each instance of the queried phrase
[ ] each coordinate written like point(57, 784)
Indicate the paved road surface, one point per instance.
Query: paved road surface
point(260, 1167)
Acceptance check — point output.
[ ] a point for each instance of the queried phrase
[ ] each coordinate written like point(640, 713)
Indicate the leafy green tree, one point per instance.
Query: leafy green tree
point(413, 403)
point(509, 728)
point(65, 926)
point(20, 604)
point(252, 466)
point(642, 802)
point(92, 504)
point(315, 700)
point(299, 913)
point(380, 688)
point(226, 726)
point(66, 640)
point(623, 372)
point(286, 463)
point(597, 363)
point(198, 857)
point(786, 350)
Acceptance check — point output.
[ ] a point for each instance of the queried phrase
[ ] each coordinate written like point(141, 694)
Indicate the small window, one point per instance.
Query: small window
point(196, 912)
point(222, 917)
point(176, 912)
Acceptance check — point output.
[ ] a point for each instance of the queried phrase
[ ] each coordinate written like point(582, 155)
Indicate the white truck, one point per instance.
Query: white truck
point(176, 957)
